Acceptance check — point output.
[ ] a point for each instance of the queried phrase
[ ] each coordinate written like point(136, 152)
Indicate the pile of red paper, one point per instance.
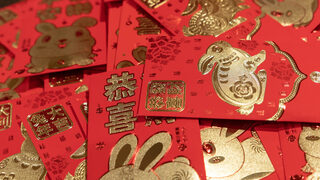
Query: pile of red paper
point(159, 89)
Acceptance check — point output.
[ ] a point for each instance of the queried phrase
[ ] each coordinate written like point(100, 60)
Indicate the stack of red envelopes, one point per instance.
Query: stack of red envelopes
point(159, 89)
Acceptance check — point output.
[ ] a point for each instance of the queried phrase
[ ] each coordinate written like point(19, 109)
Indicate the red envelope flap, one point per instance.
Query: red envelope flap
point(299, 144)
point(51, 119)
point(135, 27)
point(228, 94)
point(114, 123)
point(59, 26)
point(233, 149)
point(269, 136)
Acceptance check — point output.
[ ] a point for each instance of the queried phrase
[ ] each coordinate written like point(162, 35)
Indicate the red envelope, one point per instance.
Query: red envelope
point(233, 150)
point(149, 148)
point(250, 80)
point(135, 27)
point(208, 18)
point(269, 137)
point(61, 35)
point(114, 14)
point(50, 121)
point(300, 154)
point(18, 157)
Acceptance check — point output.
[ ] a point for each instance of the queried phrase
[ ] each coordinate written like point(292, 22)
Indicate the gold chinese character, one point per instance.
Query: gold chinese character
point(175, 102)
point(6, 16)
point(158, 120)
point(54, 112)
point(157, 88)
point(60, 123)
point(121, 118)
point(115, 91)
point(49, 13)
point(156, 102)
point(44, 130)
point(154, 3)
point(38, 119)
point(5, 116)
point(147, 26)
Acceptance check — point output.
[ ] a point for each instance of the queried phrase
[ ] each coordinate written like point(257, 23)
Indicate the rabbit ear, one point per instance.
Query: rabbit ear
point(45, 27)
point(85, 22)
point(123, 151)
point(152, 151)
point(231, 133)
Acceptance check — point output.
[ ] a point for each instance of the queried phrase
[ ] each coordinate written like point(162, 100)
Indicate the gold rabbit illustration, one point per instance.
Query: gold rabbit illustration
point(234, 78)
point(81, 171)
point(214, 18)
point(309, 143)
point(147, 157)
point(62, 47)
point(289, 12)
point(225, 157)
point(24, 165)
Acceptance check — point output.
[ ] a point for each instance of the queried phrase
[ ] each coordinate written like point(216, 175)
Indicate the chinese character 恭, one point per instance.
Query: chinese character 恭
point(121, 118)
point(147, 26)
point(115, 90)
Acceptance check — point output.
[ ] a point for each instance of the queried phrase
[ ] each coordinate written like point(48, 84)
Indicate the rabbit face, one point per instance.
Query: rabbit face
point(287, 12)
point(309, 140)
point(223, 153)
point(57, 42)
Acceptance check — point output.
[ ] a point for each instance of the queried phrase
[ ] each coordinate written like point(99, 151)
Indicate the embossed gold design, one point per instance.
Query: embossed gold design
point(117, 84)
point(256, 27)
point(5, 116)
point(158, 120)
point(78, 9)
point(121, 117)
point(11, 84)
point(166, 95)
point(234, 78)
point(81, 171)
point(24, 165)
point(309, 143)
point(139, 54)
point(296, 84)
point(6, 15)
point(154, 3)
point(214, 18)
point(124, 64)
point(232, 159)
point(315, 76)
point(289, 12)
point(147, 157)
point(65, 77)
point(81, 89)
point(62, 47)
point(147, 26)
point(50, 121)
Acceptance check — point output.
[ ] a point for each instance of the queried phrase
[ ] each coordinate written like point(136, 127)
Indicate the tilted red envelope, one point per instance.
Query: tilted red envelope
point(114, 10)
point(61, 35)
point(233, 150)
point(300, 144)
point(229, 79)
point(135, 27)
point(50, 120)
point(121, 145)
point(205, 18)
point(18, 157)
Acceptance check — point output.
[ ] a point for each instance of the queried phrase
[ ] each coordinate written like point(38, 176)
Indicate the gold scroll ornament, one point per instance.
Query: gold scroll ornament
point(226, 158)
point(24, 165)
point(151, 152)
point(214, 18)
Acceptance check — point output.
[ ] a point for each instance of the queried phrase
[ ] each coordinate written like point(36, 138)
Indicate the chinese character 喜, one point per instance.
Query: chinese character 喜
point(121, 118)
point(120, 86)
